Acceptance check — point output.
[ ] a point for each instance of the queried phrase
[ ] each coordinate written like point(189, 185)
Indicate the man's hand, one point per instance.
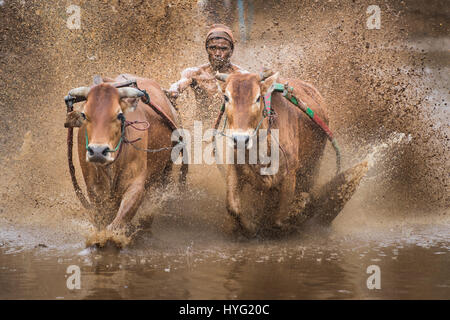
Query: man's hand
point(172, 95)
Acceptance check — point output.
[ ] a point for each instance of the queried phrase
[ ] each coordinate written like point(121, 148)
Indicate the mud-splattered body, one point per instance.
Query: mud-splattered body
point(116, 190)
point(300, 142)
point(219, 47)
point(204, 85)
point(286, 193)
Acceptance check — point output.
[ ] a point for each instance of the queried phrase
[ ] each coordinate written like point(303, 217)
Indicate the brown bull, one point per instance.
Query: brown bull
point(301, 144)
point(117, 173)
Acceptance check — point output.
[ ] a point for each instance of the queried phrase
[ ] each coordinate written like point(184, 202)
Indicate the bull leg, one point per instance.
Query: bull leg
point(233, 199)
point(131, 201)
point(234, 207)
point(284, 211)
point(183, 174)
point(103, 206)
point(160, 179)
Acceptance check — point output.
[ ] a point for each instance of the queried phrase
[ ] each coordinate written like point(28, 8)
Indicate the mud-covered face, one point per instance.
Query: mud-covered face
point(219, 52)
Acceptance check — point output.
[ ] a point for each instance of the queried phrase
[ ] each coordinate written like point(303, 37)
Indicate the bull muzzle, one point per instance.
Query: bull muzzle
point(98, 153)
point(242, 140)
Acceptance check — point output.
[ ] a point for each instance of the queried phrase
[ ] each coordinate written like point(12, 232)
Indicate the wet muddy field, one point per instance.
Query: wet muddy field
point(387, 93)
point(413, 261)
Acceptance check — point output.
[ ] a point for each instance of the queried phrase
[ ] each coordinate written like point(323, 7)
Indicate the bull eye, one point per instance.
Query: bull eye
point(83, 115)
point(121, 117)
point(226, 98)
point(258, 99)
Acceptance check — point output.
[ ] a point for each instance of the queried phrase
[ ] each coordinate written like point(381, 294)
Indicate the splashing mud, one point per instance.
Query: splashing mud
point(379, 151)
point(387, 96)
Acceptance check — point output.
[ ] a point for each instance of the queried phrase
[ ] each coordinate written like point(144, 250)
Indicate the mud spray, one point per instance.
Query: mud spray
point(386, 90)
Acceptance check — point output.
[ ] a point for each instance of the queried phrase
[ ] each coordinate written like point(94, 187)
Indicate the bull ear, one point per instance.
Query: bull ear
point(128, 104)
point(74, 119)
point(265, 73)
point(129, 98)
point(266, 84)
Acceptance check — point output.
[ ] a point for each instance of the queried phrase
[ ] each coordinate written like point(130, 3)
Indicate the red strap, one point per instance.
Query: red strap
point(323, 126)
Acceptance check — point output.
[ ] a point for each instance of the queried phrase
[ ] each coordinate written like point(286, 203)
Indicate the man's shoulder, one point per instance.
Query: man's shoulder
point(192, 71)
point(206, 69)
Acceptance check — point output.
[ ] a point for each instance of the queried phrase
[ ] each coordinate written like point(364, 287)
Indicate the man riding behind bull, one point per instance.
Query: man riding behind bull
point(219, 47)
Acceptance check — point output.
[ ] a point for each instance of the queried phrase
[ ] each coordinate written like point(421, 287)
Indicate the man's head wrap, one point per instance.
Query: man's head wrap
point(220, 31)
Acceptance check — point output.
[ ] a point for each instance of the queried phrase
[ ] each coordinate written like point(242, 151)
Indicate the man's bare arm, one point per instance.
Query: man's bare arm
point(185, 81)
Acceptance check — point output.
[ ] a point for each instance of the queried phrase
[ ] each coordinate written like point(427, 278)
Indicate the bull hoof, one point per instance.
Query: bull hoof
point(110, 246)
point(107, 239)
point(241, 229)
point(282, 228)
point(280, 224)
point(121, 229)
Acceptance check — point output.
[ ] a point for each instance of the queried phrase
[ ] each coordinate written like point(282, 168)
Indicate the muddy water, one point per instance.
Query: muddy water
point(414, 262)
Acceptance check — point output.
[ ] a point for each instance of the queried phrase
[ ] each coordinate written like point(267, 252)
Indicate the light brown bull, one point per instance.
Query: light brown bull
point(301, 144)
point(116, 173)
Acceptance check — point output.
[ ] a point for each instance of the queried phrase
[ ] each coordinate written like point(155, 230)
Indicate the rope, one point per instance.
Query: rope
point(76, 186)
point(287, 93)
point(158, 150)
point(266, 113)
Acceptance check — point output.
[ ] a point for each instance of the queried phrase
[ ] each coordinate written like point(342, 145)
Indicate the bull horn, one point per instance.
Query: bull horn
point(221, 76)
point(81, 92)
point(130, 93)
point(265, 73)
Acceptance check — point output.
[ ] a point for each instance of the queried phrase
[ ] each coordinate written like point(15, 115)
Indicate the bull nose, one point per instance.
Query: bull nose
point(241, 139)
point(97, 153)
